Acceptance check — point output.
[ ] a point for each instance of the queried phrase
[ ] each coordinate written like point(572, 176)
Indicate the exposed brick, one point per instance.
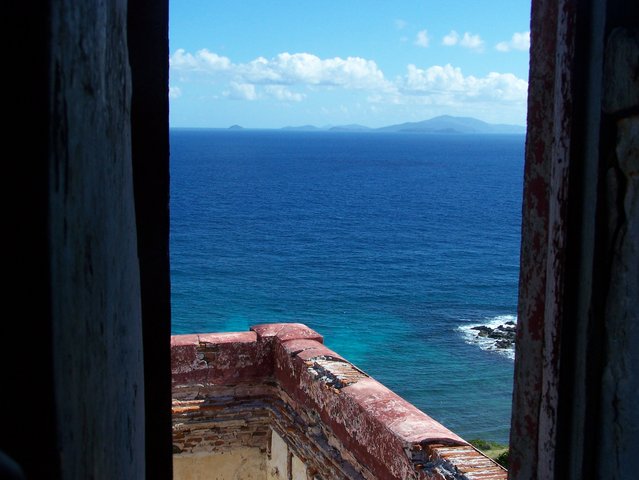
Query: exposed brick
point(339, 421)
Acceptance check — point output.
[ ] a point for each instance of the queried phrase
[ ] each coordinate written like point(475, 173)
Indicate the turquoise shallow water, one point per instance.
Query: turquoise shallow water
point(388, 245)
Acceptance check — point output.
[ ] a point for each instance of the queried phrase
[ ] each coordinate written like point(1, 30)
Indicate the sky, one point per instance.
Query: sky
point(276, 63)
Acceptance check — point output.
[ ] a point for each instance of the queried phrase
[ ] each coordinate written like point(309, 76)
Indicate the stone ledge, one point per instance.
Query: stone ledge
point(372, 429)
point(287, 331)
point(218, 358)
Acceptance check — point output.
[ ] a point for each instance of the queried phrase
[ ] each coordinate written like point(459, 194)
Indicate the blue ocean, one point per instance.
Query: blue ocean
point(390, 245)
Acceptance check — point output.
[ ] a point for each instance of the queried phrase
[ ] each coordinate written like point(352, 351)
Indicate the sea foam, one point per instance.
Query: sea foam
point(486, 343)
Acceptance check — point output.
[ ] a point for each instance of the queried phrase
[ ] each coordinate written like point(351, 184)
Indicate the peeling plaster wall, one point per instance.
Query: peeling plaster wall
point(314, 415)
point(97, 356)
point(532, 436)
point(238, 464)
point(576, 367)
point(277, 465)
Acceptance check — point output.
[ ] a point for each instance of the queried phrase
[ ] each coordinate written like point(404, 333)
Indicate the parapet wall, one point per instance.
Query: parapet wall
point(275, 403)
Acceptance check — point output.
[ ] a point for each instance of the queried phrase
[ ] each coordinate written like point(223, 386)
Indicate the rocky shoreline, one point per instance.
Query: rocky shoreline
point(504, 335)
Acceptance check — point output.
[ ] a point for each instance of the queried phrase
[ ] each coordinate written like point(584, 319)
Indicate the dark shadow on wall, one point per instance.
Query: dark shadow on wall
point(85, 98)
point(148, 55)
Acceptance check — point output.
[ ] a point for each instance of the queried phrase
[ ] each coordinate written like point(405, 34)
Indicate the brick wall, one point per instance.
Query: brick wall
point(278, 392)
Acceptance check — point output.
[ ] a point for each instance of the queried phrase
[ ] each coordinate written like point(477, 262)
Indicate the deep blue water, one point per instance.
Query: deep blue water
point(386, 244)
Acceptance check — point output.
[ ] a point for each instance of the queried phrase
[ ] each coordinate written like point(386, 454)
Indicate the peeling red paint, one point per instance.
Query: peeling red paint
point(219, 358)
point(306, 349)
point(537, 193)
point(535, 325)
point(542, 274)
point(272, 376)
point(287, 331)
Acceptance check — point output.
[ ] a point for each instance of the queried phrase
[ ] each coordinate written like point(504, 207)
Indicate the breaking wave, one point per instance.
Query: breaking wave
point(496, 334)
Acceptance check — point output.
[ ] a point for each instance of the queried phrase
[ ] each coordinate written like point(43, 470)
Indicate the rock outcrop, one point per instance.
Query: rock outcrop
point(504, 335)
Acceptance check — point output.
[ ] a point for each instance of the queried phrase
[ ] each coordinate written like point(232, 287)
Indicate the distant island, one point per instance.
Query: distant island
point(444, 124)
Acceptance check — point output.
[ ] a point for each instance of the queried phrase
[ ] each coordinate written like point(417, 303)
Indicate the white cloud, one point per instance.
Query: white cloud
point(292, 78)
point(174, 92)
point(435, 79)
point(308, 69)
point(285, 69)
point(400, 24)
point(182, 60)
point(519, 41)
point(213, 60)
point(202, 60)
point(467, 40)
point(422, 39)
point(446, 85)
point(282, 93)
point(241, 91)
point(474, 42)
point(451, 39)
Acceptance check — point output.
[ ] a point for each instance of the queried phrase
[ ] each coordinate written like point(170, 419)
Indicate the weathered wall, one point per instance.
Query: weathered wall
point(532, 437)
point(234, 462)
point(73, 262)
point(277, 467)
point(282, 463)
point(97, 357)
point(576, 367)
point(312, 413)
point(237, 464)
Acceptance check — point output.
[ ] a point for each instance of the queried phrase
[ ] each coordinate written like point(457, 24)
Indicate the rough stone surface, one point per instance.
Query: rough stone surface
point(218, 358)
point(313, 413)
point(287, 331)
point(97, 337)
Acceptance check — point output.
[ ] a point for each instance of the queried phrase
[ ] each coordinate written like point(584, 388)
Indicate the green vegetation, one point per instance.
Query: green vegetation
point(494, 450)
